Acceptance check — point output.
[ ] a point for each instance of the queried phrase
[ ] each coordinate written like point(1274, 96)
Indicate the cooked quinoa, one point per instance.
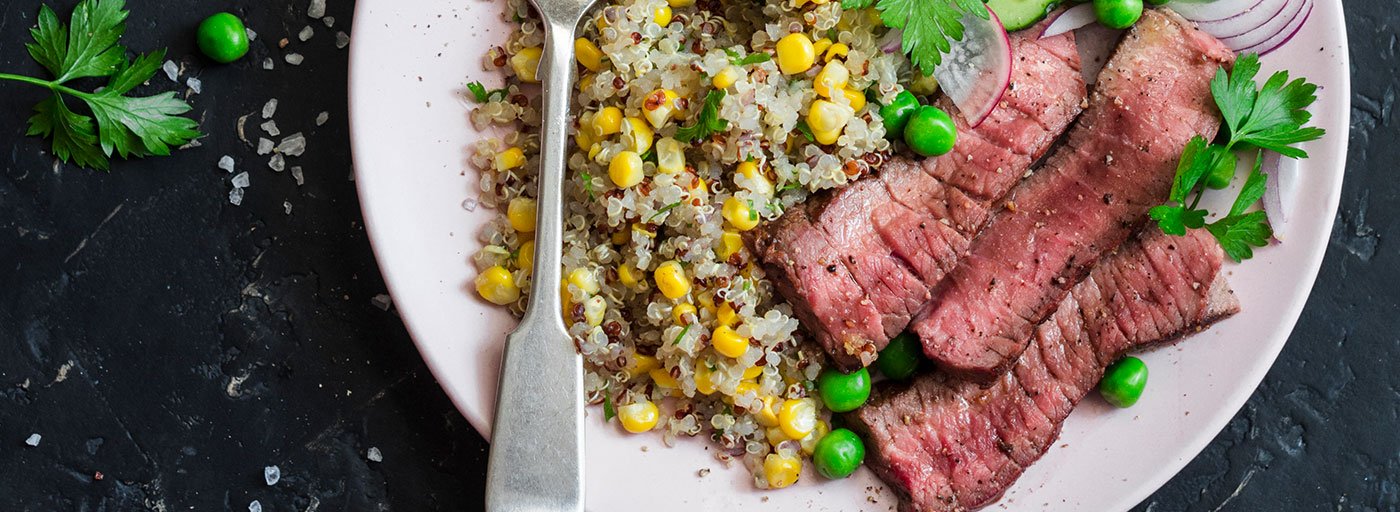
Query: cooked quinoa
point(679, 329)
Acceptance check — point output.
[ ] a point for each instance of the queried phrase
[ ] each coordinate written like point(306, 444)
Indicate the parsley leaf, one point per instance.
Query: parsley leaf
point(927, 26)
point(1175, 220)
point(1240, 234)
point(752, 58)
point(588, 184)
point(1271, 118)
point(120, 125)
point(609, 412)
point(708, 122)
point(482, 95)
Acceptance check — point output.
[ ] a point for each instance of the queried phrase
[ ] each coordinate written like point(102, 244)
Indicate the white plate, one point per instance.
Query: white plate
point(409, 64)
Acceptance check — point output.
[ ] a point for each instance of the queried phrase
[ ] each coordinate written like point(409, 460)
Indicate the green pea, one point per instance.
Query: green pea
point(844, 392)
point(1224, 171)
point(901, 357)
point(222, 37)
point(1158, 2)
point(1118, 14)
point(896, 114)
point(838, 454)
point(1124, 381)
point(931, 131)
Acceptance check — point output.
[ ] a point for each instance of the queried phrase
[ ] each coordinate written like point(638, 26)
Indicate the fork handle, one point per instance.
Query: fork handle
point(536, 460)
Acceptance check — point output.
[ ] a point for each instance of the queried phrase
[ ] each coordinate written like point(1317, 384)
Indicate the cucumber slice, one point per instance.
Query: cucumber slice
point(1018, 14)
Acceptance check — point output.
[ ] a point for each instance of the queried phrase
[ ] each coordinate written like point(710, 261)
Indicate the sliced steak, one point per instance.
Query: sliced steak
point(1119, 161)
point(948, 445)
point(898, 234)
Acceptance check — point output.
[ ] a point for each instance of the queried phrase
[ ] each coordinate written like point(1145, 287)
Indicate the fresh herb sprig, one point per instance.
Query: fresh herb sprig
point(745, 60)
point(126, 126)
point(1271, 117)
point(483, 95)
point(928, 25)
point(708, 122)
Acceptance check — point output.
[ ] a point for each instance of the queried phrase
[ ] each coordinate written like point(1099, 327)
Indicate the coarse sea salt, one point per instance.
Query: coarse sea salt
point(264, 146)
point(329, 21)
point(317, 9)
point(33, 439)
point(270, 127)
point(294, 59)
point(470, 204)
point(267, 63)
point(255, 506)
point(272, 475)
point(306, 33)
point(297, 175)
point(240, 180)
point(374, 455)
point(342, 39)
point(252, 36)
point(195, 85)
point(226, 163)
point(269, 108)
point(322, 118)
point(171, 70)
point(287, 207)
point(277, 162)
point(235, 196)
point(293, 145)
point(382, 301)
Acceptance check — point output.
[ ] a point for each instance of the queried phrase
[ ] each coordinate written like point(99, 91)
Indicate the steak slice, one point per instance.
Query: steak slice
point(896, 235)
point(1151, 98)
point(946, 444)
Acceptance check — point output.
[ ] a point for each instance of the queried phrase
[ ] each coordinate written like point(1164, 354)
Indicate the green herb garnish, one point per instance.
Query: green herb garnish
point(609, 412)
point(806, 131)
point(752, 58)
point(663, 210)
point(788, 186)
point(482, 95)
point(124, 126)
point(1267, 118)
point(927, 25)
point(681, 336)
point(588, 184)
point(708, 122)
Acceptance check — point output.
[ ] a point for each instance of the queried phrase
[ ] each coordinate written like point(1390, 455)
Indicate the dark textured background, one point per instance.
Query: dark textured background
point(176, 344)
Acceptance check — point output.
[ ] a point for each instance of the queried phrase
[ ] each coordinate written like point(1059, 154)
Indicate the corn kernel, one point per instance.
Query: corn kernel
point(659, 106)
point(752, 372)
point(521, 214)
point(798, 417)
point(781, 470)
point(795, 53)
point(704, 381)
point(638, 417)
point(768, 415)
point(642, 364)
point(670, 157)
point(584, 137)
point(729, 343)
point(775, 436)
point(593, 310)
point(739, 214)
point(626, 275)
point(832, 79)
point(730, 243)
point(819, 46)
point(626, 169)
point(607, 122)
point(745, 388)
point(809, 443)
point(621, 236)
point(588, 54)
point(681, 312)
point(825, 116)
point(663, 378)
point(836, 50)
point(509, 159)
point(727, 317)
point(584, 280)
point(496, 285)
point(662, 16)
point(757, 182)
point(706, 300)
point(638, 135)
point(827, 137)
point(526, 64)
point(595, 150)
point(525, 256)
point(680, 3)
point(671, 280)
point(854, 98)
point(726, 77)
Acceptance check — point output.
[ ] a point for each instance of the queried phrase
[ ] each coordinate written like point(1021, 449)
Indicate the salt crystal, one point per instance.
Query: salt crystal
point(272, 474)
point(195, 85)
point(255, 506)
point(226, 163)
point(267, 62)
point(269, 108)
point(271, 128)
point(469, 205)
point(296, 175)
point(294, 59)
point(278, 162)
point(235, 196)
point(293, 145)
point(171, 70)
point(264, 146)
point(287, 207)
point(342, 39)
point(329, 21)
point(193, 143)
point(317, 9)
point(33, 439)
point(306, 33)
point(374, 455)
point(252, 36)
point(322, 118)
point(382, 301)
point(240, 180)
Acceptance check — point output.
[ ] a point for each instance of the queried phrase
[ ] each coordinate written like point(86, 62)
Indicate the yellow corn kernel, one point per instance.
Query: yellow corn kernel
point(509, 159)
point(745, 388)
point(583, 138)
point(496, 285)
point(670, 157)
point(584, 280)
point(593, 310)
point(638, 135)
point(680, 3)
point(923, 85)
point(775, 435)
point(727, 76)
point(663, 378)
point(832, 79)
point(681, 311)
point(730, 243)
point(526, 64)
point(836, 50)
point(521, 214)
point(671, 280)
point(595, 150)
point(820, 2)
point(768, 415)
point(659, 106)
point(588, 54)
point(739, 214)
point(662, 16)
point(642, 364)
point(585, 82)
point(626, 169)
point(809, 443)
point(638, 417)
point(819, 46)
point(752, 372)
point(704, 381)
point(641, 229)
point(525, 256)
point(757, 181)
point(727, 317)
point(825, 116)
point(828, 137)
point(795, 53)
point(706, 300)
point(626, 275)
point(854, 98)
point(607, 122)
point(729, 343)
point(797, 418)
point(621, 236)
point(781, 470)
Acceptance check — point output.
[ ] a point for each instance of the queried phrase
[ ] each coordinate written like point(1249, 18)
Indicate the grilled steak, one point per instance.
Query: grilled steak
point(1119, 161)
point(873, 250)
point(946, 444)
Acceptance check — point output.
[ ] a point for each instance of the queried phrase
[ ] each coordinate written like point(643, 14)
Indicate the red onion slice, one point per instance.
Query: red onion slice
point(1283, 174)
point(1286, 35)
point(1213, 10)
point(1248, 21)
point(977, 70)
point(1070, 19)
point(891, 42)
point(1276, 25)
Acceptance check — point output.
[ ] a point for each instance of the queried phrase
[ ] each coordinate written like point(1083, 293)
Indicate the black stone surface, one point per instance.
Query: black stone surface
point(175, 344)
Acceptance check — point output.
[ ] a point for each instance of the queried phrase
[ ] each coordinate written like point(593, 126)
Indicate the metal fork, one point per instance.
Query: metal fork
point(536, 462)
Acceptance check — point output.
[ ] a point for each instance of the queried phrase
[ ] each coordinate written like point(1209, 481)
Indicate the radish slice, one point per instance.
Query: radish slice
point(1213, 10)
point(1070, 19)
point(1275, 26)
point(977, 70)
point(1283, 174)
point(1247, 21)
point(1284, 37)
